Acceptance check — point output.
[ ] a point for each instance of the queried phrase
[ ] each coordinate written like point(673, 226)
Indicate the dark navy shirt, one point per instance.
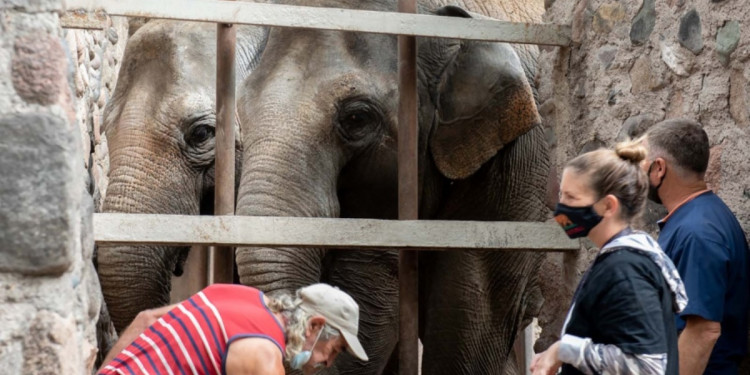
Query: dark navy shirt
point(709, 249)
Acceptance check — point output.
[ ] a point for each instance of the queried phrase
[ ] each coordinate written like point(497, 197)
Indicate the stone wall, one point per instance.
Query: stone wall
point(53, 86)
point(634, 63)
point(95, 56)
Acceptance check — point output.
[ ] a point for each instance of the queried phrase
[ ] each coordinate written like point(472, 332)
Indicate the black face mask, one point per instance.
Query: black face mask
point(653, 191)
point(576, 221)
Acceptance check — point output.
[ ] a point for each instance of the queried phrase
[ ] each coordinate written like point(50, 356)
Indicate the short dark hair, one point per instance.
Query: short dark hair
point(684, 141)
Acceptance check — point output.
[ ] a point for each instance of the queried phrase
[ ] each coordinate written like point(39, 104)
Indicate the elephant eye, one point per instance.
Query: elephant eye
point(358, 120)
point(199, 134)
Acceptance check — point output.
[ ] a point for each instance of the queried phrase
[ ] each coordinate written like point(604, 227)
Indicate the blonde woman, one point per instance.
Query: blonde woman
point(621, 319)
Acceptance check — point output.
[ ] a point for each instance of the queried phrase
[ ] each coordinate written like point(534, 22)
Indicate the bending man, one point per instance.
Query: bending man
point(237, 330)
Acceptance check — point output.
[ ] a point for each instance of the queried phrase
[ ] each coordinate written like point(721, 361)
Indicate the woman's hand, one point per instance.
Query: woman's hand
point(546, 362)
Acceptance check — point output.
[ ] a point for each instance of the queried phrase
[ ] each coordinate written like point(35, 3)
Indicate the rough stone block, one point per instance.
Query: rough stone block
point(607, 16)
point(592, 145)
point(38, 68)
point(738, 99)
point(640, 76)
point(87, 225)
point(643, 23)
point(14, 320)
point(675, 104)
point(49, 346)
point(606, 55)
point(31, 6)
point(635, 126)
point(40, 191)
point(713, 172)
point(678, 59)
point(689, 34)
point(727, 39)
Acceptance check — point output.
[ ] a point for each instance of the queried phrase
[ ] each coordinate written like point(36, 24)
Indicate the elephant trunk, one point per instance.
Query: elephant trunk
point(279, 269)
point(288, 170)
point(133, 278)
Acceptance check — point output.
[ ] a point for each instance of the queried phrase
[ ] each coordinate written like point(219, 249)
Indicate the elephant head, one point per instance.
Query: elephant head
point(160, 129)
point(319, 128)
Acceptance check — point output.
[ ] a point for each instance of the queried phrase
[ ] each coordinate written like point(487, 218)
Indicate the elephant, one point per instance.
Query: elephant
point(159, 125)
point(319, 138)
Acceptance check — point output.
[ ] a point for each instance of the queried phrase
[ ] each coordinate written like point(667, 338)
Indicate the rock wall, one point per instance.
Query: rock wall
point(53, 86)
point(95, 57)
point(634, 63)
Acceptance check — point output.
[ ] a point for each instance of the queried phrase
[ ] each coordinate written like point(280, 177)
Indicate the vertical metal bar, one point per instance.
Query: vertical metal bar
point(222, 258)
point(408, 196)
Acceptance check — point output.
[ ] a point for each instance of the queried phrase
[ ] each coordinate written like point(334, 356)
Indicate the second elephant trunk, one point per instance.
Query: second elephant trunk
point(280, 269)
point(289, 169)
point(134, 278)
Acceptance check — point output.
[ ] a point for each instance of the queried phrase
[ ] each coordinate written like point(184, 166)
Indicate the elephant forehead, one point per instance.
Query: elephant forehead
point(357, 82)
point(196, 101)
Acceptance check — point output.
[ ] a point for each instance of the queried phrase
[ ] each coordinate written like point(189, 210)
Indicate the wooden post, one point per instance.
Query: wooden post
point(408, 196)
point(222, 258)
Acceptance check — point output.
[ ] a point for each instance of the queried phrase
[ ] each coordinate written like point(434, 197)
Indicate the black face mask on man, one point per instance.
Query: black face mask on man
point(653, 191)
point(576, 221)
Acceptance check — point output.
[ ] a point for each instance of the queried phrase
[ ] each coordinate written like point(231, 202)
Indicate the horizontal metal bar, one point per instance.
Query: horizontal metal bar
point(332, 19)
point(81, 19)
point(112, 228)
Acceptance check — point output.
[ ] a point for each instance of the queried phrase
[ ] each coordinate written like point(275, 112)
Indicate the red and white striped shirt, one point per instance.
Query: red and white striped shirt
point(193, 338)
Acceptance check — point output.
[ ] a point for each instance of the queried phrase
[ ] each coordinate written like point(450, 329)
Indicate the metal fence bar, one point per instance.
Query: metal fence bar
point(408, 197)
point(174, 230)
point(333, 19)
point(222, 258)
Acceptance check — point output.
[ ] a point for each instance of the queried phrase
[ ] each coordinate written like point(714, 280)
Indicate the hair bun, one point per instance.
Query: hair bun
point(631, 151)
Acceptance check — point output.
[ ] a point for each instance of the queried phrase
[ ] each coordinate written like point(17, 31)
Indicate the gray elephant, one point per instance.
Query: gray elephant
point(319, 133)
point(160, 127)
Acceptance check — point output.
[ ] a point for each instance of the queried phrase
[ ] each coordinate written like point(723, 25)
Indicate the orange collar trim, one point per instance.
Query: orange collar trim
point(688, 199)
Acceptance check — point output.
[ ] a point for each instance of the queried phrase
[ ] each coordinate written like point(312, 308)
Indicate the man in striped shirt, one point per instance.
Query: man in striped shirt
point(237, 330)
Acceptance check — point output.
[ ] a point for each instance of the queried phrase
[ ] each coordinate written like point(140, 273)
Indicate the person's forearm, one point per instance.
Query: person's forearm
point(591, 358)
point(139, 324)
point(695, 346)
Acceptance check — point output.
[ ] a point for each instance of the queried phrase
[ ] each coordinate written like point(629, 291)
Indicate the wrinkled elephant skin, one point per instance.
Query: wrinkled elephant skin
point(319, 131)
point(160, 129)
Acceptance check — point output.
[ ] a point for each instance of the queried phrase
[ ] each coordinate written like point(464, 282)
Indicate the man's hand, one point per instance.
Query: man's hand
point(696, 343)
point(142, 321)
point(546, 362)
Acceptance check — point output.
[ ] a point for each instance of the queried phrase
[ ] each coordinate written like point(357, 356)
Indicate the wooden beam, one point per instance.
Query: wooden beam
point(81, 19)
point(333, 19)
point(117, 228)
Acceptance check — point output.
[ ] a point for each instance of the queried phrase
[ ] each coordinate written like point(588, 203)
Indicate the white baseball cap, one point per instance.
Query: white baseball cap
point(340, 311)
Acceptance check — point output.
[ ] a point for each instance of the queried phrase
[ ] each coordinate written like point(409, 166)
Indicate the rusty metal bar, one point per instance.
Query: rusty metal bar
point(333, 19)
point(408, 196)
point(222, 258)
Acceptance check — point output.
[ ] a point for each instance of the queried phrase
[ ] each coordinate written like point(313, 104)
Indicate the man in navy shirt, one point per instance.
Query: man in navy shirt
point(706, 243)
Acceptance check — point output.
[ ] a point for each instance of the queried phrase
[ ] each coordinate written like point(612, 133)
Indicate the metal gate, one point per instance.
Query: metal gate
point(408, 234)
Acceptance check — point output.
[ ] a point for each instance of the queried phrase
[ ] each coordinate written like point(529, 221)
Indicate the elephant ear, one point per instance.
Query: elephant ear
point(484, 102)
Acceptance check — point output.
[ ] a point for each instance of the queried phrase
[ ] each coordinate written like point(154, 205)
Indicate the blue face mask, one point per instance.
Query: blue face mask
point(301, 358)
